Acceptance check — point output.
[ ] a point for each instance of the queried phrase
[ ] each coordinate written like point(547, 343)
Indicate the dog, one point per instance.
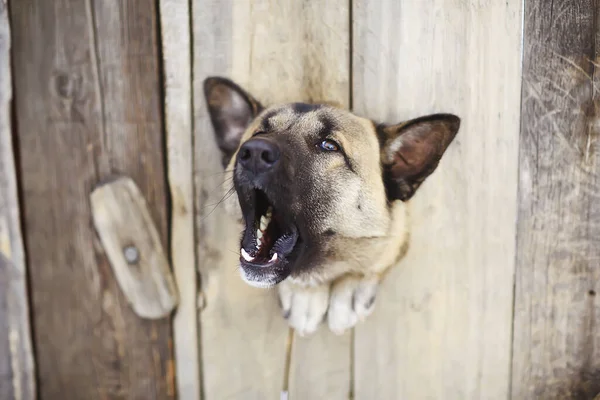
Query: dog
point(322, 193)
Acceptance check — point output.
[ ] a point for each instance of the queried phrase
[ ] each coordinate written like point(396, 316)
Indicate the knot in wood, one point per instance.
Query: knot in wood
point(68, 85)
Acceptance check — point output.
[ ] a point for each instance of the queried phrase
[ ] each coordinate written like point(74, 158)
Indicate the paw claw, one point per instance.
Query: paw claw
point(352, 300)
point(370, 302)
point(304, 308)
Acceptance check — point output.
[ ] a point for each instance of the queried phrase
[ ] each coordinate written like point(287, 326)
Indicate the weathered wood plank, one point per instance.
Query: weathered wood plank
point(556, 340)
point(442, 324)
point(320, 364)
point(279, 51)
point(177, 64)
point(132, 245)
point(17, 375)
point(88, 106)
point(240, 328)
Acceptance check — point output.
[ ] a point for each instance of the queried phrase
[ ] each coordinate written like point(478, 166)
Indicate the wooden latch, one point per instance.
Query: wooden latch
point(133, 248)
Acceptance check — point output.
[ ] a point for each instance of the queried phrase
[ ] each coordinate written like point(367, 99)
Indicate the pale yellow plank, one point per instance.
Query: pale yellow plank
point(279, 51)
point(321, 366)
point(242, 333)
point(292, 50)
point(177, 63)
point(316, 56)
point(442, 324)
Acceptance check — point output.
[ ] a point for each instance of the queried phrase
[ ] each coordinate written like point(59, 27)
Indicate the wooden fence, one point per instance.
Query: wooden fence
point(497, 296)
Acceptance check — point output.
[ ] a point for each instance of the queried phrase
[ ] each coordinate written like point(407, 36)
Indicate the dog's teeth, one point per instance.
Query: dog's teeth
point(264, 222)
point(269, 212)
point(259, 235)
point(274, 258)
point(246, 256)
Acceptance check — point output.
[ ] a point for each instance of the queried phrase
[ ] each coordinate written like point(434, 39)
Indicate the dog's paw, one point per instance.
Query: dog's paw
point(352, 300)
point(304, 308)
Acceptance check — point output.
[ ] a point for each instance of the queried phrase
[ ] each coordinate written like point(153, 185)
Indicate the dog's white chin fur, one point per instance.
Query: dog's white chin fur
point(262, 284)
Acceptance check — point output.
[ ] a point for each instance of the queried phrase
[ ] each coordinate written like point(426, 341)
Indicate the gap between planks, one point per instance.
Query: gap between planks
point(175, 29)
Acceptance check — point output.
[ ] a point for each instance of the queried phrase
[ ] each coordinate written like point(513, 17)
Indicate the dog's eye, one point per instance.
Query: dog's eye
point(329, 145)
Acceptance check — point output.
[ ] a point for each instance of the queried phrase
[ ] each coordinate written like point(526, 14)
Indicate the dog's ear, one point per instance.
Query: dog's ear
point(231, 110)
point(411, 151)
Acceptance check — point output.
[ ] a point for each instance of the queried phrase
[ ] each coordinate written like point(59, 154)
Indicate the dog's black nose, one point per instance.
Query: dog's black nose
point(258, 155)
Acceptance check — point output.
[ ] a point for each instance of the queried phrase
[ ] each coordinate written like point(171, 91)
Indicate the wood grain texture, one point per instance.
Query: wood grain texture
point(242, 333)
point(177, 65)
point(88, 106)
point(441, 328)
point(132, 245)
point(279, 51)
point(557, 309)
point(17, 375)
point(315, 59)
point(321, 366)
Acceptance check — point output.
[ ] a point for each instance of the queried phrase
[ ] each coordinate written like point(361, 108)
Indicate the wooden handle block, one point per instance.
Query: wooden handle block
point(133, 248)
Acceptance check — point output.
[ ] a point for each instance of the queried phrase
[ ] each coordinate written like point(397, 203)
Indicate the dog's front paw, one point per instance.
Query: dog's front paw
point(303, 307)
point(352, 300)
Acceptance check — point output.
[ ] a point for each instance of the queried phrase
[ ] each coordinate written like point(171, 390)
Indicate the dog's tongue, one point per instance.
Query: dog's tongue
point(271, 242)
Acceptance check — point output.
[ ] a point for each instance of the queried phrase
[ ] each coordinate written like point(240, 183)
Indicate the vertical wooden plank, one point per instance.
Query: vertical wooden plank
point(17, 375)
point(442, 325)
point(279, 51)
point(242, 334)
point(88, 106)
point(557, 311)
point(320, 364)
point(176, 52)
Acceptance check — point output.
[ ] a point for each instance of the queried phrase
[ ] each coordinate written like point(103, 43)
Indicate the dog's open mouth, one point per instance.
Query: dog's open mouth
point(268, 241)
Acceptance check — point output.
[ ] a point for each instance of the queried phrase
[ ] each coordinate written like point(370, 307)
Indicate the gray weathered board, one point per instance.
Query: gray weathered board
point(88, 106)
point(557, 308)
point(16, 358)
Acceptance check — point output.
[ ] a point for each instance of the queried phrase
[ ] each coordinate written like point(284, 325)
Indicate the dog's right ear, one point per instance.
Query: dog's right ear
point(231, 110)
point(412, 150)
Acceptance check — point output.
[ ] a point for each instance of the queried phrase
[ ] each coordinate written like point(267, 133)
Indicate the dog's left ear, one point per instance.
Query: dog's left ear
point(412, 150)
point(231, 110)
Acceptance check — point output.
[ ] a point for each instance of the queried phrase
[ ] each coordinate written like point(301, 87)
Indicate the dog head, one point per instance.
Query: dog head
point(313, 180)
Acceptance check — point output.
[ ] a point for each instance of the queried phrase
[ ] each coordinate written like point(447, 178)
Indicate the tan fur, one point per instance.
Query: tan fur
point(369, 242)
point(355, 203)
